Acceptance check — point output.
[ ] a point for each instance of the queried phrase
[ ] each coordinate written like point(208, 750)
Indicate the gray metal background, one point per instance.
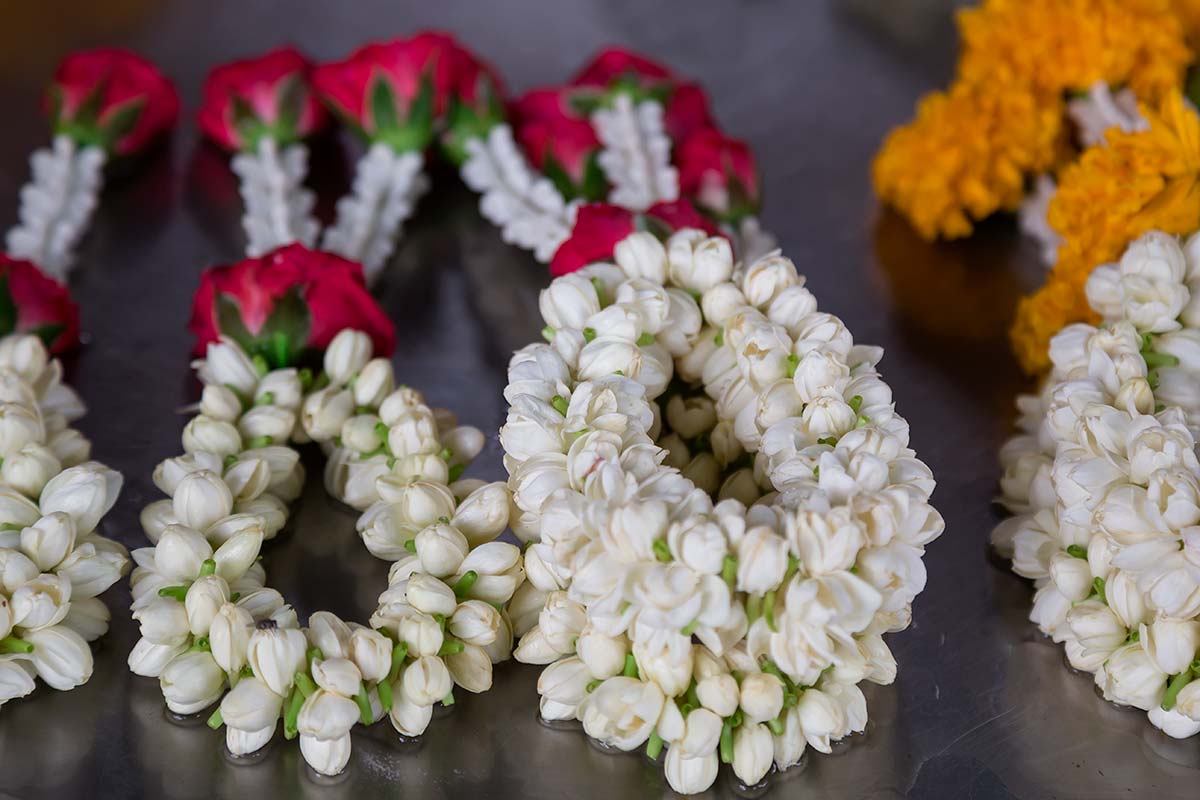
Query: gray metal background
point(983, 707)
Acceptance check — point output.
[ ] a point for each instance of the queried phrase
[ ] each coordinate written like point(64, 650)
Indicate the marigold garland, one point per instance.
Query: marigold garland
point(1002, 119)
point(1116, 192)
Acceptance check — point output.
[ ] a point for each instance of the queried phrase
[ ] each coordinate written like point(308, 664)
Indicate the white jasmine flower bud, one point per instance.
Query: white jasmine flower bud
point(1126, 600)
point(205, 434)
point(251, 706)
point(561, 621)
point(148, 659)
point(704, 471)
point(604, 655)
point(483, 514)
point(348, 353)
point(70, 447)
point(412, 433)
point(1131, 678)
point(408, 718)
point(338, 675)
point(220, 403)
point(441, 549)
point(762, 560)
point(271, 424)
point(471, 668)
point(6, 617)
point(1151, 281)
point(275, 654)
point(384, 532)
point(191, 682)
point(820, 718)
point(262, 603)
point(229, 637)
point(668, 664)
point(268, 508)
point(426, 681)
point(49, 540)
point(533, 648)
point(247, 479)
point(85, 492)
point(19, 426)
point(719, 694)
point(430, 595)
point(41, 602)
point(692, 416)
point(156, 517)
point(565, 681)
point(24, 354)
point(326, 756)
point(325, 411)
point(203, 600)
point(682, 327)
point(790, 306)
point(30, 468)
point(418, 503)
point(767, 278)
point(15, 569)
point(282, 388)
point(702, 733)
point(226, 364)
point(691, 775)
point(721, 302)
point(761, 697)
point(621, 712)
point(329, 634)
point(361, 433)
point(1097, 630)
point(1188, 700)
point(641, 255)
point(374, 383)
point(1173, 723)
point(371, 652)
point(753, 752)
point(236, 556)
point(1171, 644)
point(202, 498)
point(568, 302)
point(697, 262)
point(741, 486)
point(421, 633)
point(163, 621)
point(15, 682)
point(60, 656)
point(474, 622)
point(401, 400)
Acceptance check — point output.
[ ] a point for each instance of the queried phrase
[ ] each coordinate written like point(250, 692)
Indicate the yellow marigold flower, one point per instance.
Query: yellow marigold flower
point(1071, 44)
point(1116, 192)
point(966, 155)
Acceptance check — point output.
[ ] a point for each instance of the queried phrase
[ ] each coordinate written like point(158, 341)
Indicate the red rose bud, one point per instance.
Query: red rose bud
point(685, 105)
point(266, 96)
point(599, 226)
point(476, 103)
point(287, 305)
point(111, 99)
point(395, 91)
point(31, 302)
point(560, 143)
point(717, 174)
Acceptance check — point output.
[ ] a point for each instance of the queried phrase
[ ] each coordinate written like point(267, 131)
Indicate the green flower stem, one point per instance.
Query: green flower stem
point(292, 713)
point(178, 592)
point(266, 399)
point(385, 694)
point(729, 570)
point(411, 546)
point(1077, 551)
point(655, 745)
point(769, 608)
point(631, 667)
point(776, 726)
point(450, 647)
point(753, 607)
point(364, 705)
point(560, 404)
point(314, 654)
point(462, 587)
point(216, 721)
point(448, 700)
point(592, 685)
point(259, 441)
point(1156, 360)
point(399, 653)
point(11, 644)
point(1174, 687)
point(209, 567)
point(548, 333)
point(305, 685)
point(726, 747)
point(662, 551)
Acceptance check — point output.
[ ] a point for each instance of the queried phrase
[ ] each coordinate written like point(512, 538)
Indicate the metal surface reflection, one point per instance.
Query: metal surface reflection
point(983, 706)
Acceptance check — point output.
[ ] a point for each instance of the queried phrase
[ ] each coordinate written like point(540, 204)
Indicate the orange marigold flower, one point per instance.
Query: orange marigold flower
point(1116, 192)
point(1071, 44)
point(966, 155)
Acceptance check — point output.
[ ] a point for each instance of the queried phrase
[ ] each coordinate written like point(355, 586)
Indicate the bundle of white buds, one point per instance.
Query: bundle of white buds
point(732, 632)
point(53, 564)
point(212, 632)
point(1104, 485)
point(371, 429)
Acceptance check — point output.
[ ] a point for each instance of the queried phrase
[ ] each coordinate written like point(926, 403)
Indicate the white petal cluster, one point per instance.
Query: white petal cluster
point(529, 210)
point(387, 185)
point(53, 563)
point(279, 210)
point(636, 157)
point(1104, 485)
point(212, 632)
point(722, 510)
point(57, 205)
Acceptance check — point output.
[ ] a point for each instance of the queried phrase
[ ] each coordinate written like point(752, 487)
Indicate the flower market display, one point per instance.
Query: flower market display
point(54, 564)
point(718, 513)
point(723, 512)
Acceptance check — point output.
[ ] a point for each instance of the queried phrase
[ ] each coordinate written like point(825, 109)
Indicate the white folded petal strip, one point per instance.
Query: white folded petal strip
point(1103, 483)
point(636, 157)
point(57, 205)
point(278, 209)
point(53, 563)
point(723, 513)
point(213, 632)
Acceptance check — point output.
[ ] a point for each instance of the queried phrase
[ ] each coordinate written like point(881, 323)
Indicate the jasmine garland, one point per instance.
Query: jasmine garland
point(214, 634)
point(1103, 482)
point(734, 629)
